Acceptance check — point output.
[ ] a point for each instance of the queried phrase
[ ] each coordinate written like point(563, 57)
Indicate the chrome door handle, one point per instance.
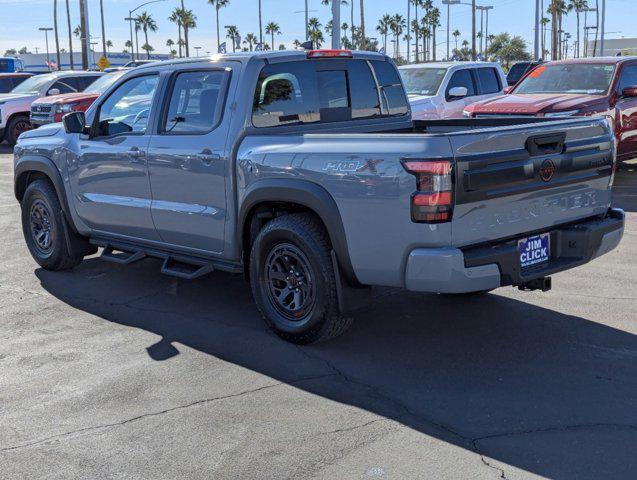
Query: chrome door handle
point(207, 157)
point(135, 153)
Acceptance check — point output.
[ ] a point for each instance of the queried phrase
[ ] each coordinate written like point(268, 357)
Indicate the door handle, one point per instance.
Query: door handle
point(135, 153)
point(207, 157)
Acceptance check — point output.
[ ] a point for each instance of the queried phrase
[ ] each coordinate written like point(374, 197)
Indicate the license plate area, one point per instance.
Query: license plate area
point(534, 252)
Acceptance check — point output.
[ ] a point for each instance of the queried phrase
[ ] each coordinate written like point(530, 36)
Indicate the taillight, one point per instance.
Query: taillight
point(432, 202)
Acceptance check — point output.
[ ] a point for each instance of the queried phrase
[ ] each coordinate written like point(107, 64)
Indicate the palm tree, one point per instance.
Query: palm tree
point(315, 33)
point(363, 37)
point(383, 27)
point(77, 31)
point(138, 27)
point(578, 6)
point(146, 22)
point(232, 34)
point(128, 45)
point(68, 22)
point(272, 29)
point(397, 27)
point(251, 39)
point(414, 23)
point(456, 34)
point(175, 17)
point(545, 21)
point(218, 4)
point(557, 9)
point(188, 22)
point(434, 21)
point(170, 43)
point(55, 31)
point(109, 45)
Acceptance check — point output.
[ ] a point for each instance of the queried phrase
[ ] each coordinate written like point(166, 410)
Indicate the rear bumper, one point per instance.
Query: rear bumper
point(454, 270)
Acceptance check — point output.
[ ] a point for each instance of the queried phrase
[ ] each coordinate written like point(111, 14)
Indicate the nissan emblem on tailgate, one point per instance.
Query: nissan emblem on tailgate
point(547, 170)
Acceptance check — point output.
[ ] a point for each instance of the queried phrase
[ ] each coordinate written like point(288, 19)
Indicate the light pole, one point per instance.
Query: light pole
point(586, 28)
point(449, 3)
point(473, 21)
point(336, 25)
point(306, 12)
point(603, 33)
point(130, 20)
point(536, 42)
point(46, 31)
point(197, 50)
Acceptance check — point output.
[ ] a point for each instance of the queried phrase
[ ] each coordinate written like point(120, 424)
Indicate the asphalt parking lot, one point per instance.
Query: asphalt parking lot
point(119, 372)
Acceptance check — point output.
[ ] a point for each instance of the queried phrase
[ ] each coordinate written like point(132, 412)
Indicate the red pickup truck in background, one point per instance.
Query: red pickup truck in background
point(51, 109)
point(591, 86)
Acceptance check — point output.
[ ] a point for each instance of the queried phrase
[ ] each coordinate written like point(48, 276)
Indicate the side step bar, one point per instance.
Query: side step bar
point(121, 257)
point(175, 264)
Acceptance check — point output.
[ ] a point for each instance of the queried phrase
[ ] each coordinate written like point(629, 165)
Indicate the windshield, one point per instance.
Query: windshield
point(422, 81)
point(33, 84)
point(576, 78)
point(100, 85)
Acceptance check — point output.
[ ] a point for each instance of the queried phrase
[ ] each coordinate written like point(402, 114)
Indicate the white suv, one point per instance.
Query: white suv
point(443, 90)
point(15, 106)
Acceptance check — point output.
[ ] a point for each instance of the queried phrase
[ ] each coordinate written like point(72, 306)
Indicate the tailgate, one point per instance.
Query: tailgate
point(524, 179)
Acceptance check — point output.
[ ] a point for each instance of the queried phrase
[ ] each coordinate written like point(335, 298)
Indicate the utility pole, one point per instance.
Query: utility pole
point(307, 27)
point(103, 30)
point(408, 31)
point(363, 37)
point(336, 25)
point(603, 33)
point(536, 44)
point(481, 31)
point(85, 37)
point(473, 30)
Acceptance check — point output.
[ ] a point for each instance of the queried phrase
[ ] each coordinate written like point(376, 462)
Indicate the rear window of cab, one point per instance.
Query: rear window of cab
point(325, 91)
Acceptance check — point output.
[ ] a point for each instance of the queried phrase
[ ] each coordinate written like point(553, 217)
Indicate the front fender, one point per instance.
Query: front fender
point(309, 195)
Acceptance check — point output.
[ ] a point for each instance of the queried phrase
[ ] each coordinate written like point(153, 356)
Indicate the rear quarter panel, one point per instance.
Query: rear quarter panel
point(364, 175)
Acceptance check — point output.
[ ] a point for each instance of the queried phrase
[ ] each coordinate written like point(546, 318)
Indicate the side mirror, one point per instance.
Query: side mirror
point(74, 122)
point(507, 90)
point(458, 92)
point(629, 92)
point(53, 91)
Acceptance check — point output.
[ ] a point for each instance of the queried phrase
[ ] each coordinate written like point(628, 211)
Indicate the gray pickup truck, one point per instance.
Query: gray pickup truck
point(305, 172)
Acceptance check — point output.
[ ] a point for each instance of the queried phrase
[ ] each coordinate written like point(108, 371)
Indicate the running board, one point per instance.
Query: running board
point(121, 257)
point(185, 270)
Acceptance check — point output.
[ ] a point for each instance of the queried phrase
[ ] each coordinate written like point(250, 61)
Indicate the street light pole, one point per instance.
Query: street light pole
point(46, 31)
point(536, 44)
point(197, 50)
point(449, 3)
point(473, 30)
point(603, 33)
point(130, 23)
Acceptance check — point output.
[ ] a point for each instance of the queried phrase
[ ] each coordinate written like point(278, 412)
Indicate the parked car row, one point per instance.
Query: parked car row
point(583, 87)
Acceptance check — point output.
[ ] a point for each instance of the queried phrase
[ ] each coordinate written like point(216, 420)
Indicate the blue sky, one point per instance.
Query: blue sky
point(20, 19)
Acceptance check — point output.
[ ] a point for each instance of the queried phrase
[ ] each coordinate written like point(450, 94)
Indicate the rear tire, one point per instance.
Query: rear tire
point(45, 230)
point(16, 126)
point(293, 280)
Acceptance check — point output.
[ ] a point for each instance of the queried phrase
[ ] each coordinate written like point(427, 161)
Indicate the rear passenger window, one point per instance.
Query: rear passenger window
point(462, 78)
point(489, 80)
point(6, 85)
point(194, 102)
point(392, 88)
point(325, 91)
point(66, 85)
point(286, 94)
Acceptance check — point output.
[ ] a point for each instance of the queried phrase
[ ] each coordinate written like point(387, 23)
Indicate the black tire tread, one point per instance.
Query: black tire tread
point(307, 227)
point(62, 259)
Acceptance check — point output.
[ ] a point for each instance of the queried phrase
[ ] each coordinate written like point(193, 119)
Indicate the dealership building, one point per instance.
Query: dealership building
point(614, 46)
point(37, 62)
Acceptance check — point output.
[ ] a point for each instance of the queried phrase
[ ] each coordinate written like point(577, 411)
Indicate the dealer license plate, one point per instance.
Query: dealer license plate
point(534, 250)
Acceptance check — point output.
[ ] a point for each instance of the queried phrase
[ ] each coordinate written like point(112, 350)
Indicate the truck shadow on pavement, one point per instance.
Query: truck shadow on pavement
point(522, 385)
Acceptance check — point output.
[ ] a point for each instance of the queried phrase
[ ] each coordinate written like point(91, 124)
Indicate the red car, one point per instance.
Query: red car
point(591, 86)
point(51, 109)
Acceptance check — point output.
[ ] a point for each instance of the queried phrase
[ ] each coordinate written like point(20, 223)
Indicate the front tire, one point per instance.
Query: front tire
point(44, 229)
point(293, 280)
point(17, 125)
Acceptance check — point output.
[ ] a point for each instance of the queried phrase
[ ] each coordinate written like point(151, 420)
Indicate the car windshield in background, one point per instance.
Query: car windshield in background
point(100, 85)
point(34, 84)
point(422, 81)
point(575, 78)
